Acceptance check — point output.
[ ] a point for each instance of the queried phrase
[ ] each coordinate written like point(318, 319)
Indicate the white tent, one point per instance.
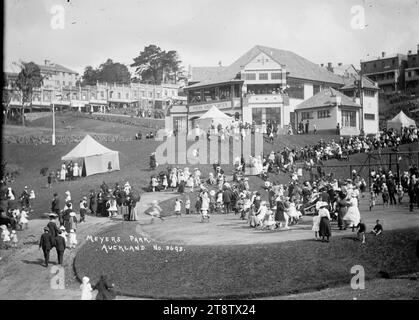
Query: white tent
point(399, 121)
point(96, 158)
point(214, 114)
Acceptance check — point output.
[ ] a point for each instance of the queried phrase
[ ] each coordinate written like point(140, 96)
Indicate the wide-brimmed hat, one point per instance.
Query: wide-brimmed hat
point(62, 228)
point(52, 215)
point(67, 192)
point(72, 214)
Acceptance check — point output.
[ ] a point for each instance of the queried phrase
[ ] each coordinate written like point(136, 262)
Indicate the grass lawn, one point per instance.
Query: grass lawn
point(243, 271)
point(134, 160)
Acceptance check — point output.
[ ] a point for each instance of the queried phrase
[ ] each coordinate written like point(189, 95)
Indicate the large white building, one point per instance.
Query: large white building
point(265, 84)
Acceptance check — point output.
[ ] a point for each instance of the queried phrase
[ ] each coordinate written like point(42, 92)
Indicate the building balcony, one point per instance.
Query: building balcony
point(386, 81)
point(265, 98)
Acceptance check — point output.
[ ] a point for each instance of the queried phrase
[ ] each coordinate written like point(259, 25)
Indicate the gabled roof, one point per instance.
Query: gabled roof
point(202, 73)
point(86, 148)
point(296, 67)
point(367, 83)
point(327, 98)
point(214, 113)
point(53, 67)
point(345, 70)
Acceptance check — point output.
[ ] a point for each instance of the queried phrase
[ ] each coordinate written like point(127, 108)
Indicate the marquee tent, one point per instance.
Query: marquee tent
point(399, 121)
point(96, 158)
point(214, 114)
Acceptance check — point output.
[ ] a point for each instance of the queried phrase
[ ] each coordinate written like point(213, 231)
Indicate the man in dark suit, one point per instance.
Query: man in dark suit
point(46, 243)
point(52, 228)
point(227, 198)
point(55, 206)
point(60, 247)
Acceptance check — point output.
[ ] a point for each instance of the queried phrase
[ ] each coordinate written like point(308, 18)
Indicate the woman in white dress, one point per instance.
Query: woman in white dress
point(23, 221)
point(63, 172)
point(352, 216)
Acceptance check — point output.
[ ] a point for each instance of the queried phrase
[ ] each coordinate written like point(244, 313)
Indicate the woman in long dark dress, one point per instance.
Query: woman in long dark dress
point(104, 290)
point(324, 229)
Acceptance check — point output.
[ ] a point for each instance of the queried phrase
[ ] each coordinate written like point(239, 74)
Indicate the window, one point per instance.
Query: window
point(143, 94)
point(119, 95)
point(57, 82)
point(70, 83)
point(110, 94)
point(225, 92)
point(158, 95)
point(369, 93)
point(209, 94)
point(369, 116)
point(306, 115)
point(296, 89)
point(409, 74)
point(102, 94)
point(276, 76)
point(263, 76)
point(150, 94)
point(63, 83)
point(316, 89)
point(323, 114)
point(165, 93)
point(135, 94)
point(127, 95)
point(348, 118)
point(250, 76)
point(394, 61)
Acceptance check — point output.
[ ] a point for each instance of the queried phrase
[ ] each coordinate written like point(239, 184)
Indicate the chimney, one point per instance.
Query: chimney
point(322, 65)
point(409, 52)
point(47, 62)
point(383, 54)
point(340, 64)
point(329, 67)
point(220, 64)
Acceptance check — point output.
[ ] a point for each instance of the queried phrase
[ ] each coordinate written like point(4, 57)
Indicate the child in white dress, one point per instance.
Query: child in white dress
point(86, 289)
point(13, 238)
point(316, 226)
point(73, 239)
point(178, 207)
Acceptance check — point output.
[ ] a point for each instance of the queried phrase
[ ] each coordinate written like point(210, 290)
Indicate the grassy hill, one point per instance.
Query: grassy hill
point(134, 159)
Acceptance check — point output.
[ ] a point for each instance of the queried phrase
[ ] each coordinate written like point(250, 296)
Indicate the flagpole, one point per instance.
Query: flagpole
point(53, 124)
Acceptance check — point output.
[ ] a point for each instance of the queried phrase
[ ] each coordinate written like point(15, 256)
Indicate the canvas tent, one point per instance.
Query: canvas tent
point(214, 114)
point(96, 158)
point(399, 121)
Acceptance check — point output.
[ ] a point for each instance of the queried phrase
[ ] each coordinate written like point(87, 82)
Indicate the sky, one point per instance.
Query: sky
point(205, 32)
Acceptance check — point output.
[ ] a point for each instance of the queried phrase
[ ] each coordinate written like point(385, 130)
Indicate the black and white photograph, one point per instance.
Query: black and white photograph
point(223, 151)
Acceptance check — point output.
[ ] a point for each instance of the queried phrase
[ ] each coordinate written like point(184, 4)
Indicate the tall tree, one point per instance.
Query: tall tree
point(154, 65)
point(9, 90)
point(28, 78)
point(111, 72)
point(89, 76)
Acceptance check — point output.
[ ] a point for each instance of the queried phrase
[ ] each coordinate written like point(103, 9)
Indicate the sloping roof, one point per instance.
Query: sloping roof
point(327, 98)
point(53, 67)
point(86, 148)
point(402, 118)
point(367, 83)
point(202, 73)
point(345, 70)
point(296, 67)
point(214, 113)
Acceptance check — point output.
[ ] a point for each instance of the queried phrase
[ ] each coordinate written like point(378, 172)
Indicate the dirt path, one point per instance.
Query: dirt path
point(22, 275)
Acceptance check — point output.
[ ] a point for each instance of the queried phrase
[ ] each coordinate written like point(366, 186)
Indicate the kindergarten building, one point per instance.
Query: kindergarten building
point(267, 84)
